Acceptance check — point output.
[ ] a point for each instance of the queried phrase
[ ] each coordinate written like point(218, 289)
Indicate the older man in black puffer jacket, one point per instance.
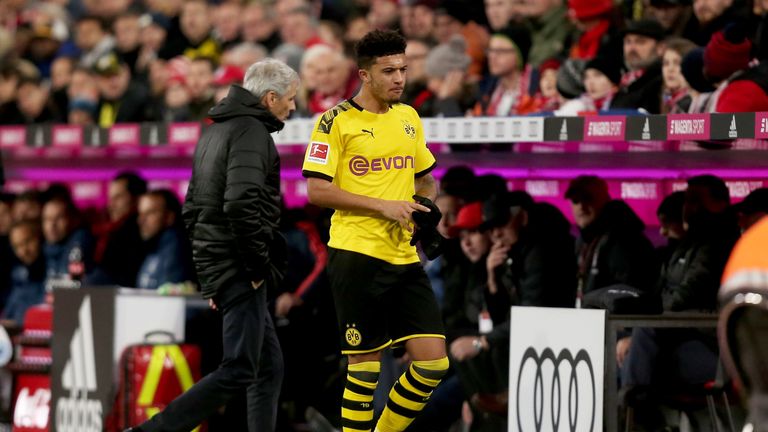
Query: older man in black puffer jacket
point(232, 213)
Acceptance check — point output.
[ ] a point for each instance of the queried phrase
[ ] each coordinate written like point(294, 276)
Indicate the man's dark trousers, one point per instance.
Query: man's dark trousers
point(252, 360)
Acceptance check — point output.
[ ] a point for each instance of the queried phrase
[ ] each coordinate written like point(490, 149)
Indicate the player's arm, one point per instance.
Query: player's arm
point(426, 186)
point(323, 193)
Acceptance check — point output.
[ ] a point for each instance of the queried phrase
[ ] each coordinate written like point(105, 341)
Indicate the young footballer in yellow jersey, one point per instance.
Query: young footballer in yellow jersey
point(368, 159)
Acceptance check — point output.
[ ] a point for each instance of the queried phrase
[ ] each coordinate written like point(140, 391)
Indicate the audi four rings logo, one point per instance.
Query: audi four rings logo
point(547, 374)
point(360, 166)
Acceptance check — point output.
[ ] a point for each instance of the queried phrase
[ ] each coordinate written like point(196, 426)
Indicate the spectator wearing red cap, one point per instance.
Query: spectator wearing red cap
point(596, 22)
point(224, 77)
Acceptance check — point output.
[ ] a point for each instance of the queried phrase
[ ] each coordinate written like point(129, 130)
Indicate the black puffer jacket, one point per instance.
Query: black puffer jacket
point(232, 210)
point(691, 277)
point(614, 250)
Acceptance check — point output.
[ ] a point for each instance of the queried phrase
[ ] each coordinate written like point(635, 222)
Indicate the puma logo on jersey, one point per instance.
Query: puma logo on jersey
point(369, 132)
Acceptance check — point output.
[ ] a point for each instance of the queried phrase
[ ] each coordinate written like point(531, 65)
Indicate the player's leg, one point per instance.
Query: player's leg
point(357, 401)
point(363, 333)
point(418, 325)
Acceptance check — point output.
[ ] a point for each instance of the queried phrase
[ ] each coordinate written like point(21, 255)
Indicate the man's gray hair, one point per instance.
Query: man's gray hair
point(269, 75)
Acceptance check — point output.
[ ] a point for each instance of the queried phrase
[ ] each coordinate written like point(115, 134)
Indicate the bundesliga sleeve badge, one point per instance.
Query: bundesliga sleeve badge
point(318, 153)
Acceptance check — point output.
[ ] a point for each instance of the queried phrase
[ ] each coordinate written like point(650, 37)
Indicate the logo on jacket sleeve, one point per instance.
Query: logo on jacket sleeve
point(318, 153)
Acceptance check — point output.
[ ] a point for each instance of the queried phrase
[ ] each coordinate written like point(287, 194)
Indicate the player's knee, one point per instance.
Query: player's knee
point(432, 369)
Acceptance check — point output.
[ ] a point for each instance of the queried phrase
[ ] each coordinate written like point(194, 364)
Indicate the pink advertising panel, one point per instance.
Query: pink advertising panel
point(687, 127)
point(124, 135)
point(604, 128)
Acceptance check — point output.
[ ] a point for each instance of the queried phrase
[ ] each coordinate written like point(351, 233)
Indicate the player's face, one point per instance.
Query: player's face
point(386, 78)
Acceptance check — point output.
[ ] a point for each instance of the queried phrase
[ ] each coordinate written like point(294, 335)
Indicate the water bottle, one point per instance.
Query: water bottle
point(76, 267)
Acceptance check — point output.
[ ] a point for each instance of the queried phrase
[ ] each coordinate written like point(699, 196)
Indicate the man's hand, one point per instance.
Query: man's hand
point(401, 212)
point(467, 347)
point(452, 85)
point(285, 302)
point(622, 349)
point(212, 304)
point(496, 257)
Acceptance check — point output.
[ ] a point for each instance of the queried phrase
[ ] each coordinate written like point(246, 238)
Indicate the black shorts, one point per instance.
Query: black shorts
point(379, 304)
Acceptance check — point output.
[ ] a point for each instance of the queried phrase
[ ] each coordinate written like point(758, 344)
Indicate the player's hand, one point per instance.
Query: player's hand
point(622, 349)
point(212, 304)
point(284, 303)
point(401, 212)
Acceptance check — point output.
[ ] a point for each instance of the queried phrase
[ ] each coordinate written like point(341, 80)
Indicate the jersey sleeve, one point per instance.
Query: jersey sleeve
point(425, 160)
point(324, 150)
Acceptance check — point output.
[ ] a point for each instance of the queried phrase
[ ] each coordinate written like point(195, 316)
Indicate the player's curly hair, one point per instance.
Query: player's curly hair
point(378, 43)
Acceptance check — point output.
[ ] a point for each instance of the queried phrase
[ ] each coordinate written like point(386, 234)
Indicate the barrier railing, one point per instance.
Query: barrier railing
point(454, 130)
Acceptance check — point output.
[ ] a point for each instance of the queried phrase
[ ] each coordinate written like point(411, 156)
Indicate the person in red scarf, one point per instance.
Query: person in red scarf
point(333, 79)
point(547, 98)
point(676, 97)
point(597, 21)
point(601, 80)
point(506, 91)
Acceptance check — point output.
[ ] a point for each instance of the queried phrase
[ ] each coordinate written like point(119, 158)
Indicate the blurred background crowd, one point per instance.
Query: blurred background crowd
point(101, 62)
point(503, 248)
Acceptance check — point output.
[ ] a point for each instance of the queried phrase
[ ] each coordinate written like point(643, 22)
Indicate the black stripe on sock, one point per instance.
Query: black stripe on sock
point(403, 411)
point(357, 388)
point(433, 374)
point(407, 394)
point(418, 385)
point(369, 377)
point(356, 406)
point(359, 425)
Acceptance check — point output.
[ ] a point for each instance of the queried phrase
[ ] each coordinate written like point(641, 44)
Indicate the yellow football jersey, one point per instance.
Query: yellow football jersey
point(376, 155)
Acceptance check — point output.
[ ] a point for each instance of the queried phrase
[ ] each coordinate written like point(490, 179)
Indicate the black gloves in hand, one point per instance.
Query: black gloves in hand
point(426, 228)
point(426, 219)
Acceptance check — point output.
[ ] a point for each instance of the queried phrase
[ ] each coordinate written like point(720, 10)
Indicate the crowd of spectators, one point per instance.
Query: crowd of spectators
point(94, 62)
point(102, 62)
point(503, 249)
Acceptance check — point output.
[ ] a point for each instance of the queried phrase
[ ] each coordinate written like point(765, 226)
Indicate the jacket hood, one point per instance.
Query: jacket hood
point(241, 103)
point(616, 217)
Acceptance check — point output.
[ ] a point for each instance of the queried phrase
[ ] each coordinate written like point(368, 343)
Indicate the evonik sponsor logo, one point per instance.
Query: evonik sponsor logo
point(76, 412)
point(361, 166)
